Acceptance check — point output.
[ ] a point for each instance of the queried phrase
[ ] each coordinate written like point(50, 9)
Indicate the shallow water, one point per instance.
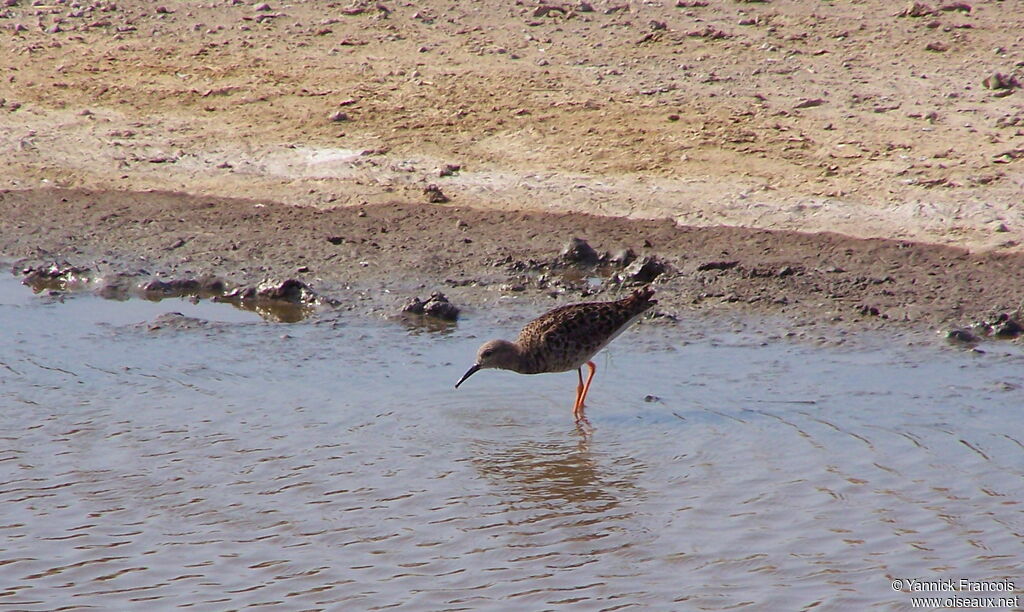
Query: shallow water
point(329, 464)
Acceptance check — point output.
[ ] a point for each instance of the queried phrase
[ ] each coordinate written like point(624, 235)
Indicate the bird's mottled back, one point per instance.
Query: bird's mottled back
point(568, 337)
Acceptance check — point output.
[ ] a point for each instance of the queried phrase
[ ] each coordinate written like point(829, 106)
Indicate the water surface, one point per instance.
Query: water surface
point(329, 464)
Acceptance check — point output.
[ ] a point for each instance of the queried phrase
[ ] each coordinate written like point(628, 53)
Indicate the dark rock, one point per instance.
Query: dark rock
point(622, 257)
point(437, 306)
point(645, 269)
point(964, 336)
point(1007, 327)
point(579, 252)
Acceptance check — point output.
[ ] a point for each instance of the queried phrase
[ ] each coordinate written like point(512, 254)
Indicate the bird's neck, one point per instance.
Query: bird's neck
point(527, 362)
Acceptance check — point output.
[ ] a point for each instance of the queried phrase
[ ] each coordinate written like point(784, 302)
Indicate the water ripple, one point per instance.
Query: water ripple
point(338, 470)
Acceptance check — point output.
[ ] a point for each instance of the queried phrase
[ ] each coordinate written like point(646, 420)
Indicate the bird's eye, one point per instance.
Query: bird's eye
point(486, 353)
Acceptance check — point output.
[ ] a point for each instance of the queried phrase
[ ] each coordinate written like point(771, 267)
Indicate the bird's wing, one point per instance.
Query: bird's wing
point(558, 326)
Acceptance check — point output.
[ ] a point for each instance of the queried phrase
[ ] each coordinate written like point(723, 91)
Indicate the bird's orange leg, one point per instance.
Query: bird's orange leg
point(579, 390)
point(577, 411)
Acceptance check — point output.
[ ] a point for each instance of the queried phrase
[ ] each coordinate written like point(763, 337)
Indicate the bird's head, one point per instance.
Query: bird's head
point(500, 354)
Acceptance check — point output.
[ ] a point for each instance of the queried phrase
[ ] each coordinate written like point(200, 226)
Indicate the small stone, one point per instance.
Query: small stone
point(622, 257)
point(645, 269)
point(809, 103)
point(916, 9)
point(871, 311)
point(673, 117)
point(449, 169)
point(434, 194)
point(338, 116)
point(998, 80)
point(956, 6)
point(937, 47)
point(962, 335)
point(579, 252)
point(263, 6)
point(717, 265)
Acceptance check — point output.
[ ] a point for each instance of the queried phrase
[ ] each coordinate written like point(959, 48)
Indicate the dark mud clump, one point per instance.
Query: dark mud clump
point(644, 270)
point(175, 321)
point(579, 252)
point(581, 268)
point(204, 287)
point(56, 277)
point(436, 306)
point(288, 301)
point(1004, 326)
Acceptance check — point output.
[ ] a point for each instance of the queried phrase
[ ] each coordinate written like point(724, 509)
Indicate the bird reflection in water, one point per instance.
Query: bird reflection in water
point(561, 474)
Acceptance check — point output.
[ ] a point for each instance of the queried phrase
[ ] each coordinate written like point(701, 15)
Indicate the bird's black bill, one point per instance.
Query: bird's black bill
point(468, 373)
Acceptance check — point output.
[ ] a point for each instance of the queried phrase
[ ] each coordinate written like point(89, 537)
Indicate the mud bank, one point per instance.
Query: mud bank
point(373, 259)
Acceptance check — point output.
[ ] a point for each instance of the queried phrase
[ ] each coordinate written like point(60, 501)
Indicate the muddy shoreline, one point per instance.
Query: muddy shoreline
point(373, 259)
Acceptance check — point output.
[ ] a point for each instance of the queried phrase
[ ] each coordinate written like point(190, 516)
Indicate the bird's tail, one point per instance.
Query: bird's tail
point(640, 300)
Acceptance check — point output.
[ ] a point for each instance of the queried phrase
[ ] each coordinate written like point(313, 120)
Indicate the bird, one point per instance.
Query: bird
point(564, 339)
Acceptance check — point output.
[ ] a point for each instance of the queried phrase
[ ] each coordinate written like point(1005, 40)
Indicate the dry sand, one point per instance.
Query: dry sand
point(764, 138)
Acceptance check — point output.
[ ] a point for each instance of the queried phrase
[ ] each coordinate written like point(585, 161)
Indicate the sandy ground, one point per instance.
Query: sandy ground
point(867, 119)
